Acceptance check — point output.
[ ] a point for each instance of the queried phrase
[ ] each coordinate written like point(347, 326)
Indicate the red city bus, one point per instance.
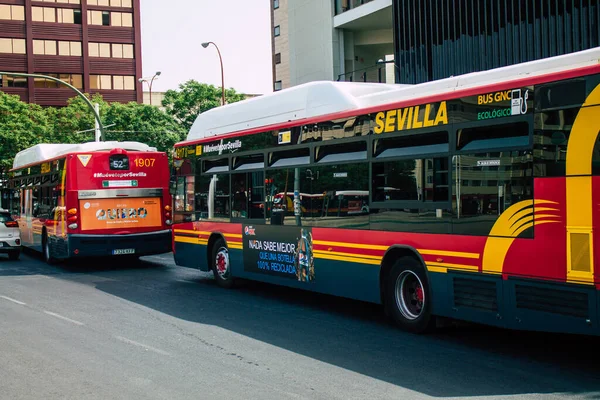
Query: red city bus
point(479, 194)
point(93, 199)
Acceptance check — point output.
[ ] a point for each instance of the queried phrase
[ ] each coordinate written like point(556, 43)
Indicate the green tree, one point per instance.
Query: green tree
point(70, 121)
point(130, 122)
point(193, 98)
point(142, 123)
point(21, 125)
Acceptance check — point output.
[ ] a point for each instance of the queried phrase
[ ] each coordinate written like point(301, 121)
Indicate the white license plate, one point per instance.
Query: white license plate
point(117, 252)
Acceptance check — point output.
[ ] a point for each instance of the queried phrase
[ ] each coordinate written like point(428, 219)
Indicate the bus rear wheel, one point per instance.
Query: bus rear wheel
point(408, 298)
point(221, 265)
point(46, 250)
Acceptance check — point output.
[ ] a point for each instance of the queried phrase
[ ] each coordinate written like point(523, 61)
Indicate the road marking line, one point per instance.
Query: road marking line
point(13, 300)
point(129, 341)
point(64, 318)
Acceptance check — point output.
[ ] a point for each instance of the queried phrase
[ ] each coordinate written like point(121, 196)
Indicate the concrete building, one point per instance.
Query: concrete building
point(332, 40)
point(95, 45)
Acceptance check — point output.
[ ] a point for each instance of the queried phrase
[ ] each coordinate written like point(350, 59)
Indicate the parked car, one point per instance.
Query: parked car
point(10, 236)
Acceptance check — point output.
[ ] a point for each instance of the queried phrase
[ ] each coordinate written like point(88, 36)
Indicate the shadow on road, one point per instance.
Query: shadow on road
point(461, 361)
point(455, 362)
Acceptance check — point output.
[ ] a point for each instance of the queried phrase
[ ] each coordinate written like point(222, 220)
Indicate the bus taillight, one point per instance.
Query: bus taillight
point(72, 219)
point(168, 215)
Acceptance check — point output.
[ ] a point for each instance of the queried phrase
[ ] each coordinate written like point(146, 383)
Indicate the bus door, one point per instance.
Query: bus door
point(248, 195)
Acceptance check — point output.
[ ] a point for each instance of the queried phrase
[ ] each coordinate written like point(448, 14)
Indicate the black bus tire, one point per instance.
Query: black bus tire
point(221, 265)
point(408, 296)
point(46, 250)
point(14, 255)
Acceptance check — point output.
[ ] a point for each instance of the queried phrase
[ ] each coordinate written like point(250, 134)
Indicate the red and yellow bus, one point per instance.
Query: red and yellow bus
point(479, 194)
point(92, 200)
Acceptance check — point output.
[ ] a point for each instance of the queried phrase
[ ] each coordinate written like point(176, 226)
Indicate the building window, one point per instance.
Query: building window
point(44, 47)
point(278, 58)
point(104, 50)
point(43, 14)
point(105, 18)
point(14, 13)
point(49, 48)
point(278, 85)
point(12, 46)
point(12, 81)
point(60, 15)
point(111, 3)
point(62, 1)
point(69, 49)
point(65, 16)
point(275, 4)
point(108, 82)
point(277, 31)
point(72, 79)
point(121, 19)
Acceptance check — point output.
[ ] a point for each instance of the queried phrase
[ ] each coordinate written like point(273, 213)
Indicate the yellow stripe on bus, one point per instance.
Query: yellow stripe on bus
point(184, 239)
point(348, 259)
point(351, 255)
point(231, 235)
point(455, 266)
point(353, 245)
point(449, 253)
point(378, 247)
point(432, 268)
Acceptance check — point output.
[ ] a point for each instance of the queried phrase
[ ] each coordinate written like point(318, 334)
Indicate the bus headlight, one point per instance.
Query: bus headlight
point(73, 226)
point(168, 222)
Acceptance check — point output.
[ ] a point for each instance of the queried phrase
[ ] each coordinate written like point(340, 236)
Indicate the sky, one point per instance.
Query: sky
point(173, 30)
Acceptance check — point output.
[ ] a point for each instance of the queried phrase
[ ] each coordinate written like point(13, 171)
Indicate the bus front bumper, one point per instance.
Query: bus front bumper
point(139, 244)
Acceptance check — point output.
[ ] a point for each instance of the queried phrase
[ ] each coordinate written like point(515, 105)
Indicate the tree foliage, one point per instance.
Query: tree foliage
point(193, 98)
point(21, 125)
point(24, 125)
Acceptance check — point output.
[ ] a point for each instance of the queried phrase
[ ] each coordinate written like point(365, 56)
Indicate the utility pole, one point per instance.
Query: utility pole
point(98, 135)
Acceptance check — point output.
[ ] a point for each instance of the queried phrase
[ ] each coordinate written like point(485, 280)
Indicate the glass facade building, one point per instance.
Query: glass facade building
point(436, 39)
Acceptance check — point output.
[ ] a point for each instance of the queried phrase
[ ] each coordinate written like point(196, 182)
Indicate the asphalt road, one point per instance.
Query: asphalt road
point(157, 331)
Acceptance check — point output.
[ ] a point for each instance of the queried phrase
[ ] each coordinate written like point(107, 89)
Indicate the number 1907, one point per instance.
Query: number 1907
point(144, 162)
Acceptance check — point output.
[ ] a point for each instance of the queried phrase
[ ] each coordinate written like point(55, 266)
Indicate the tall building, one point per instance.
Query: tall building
point(435, 39)
point(346, 40)
point(414, 41)
point(95, 45)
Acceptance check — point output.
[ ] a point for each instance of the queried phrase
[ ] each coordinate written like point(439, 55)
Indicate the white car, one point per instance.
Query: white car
point(10, 236)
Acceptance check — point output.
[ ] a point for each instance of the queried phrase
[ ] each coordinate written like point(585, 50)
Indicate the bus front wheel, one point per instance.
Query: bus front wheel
point(408, 298)
point(221, 264)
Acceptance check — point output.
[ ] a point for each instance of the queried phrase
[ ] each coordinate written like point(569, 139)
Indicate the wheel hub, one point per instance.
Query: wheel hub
point(222, 263)
point(410, 296)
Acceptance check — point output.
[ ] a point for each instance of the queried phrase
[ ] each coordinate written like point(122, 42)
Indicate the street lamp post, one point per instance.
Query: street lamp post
point(205, 45)
point(73, 88)
point(142, 80)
